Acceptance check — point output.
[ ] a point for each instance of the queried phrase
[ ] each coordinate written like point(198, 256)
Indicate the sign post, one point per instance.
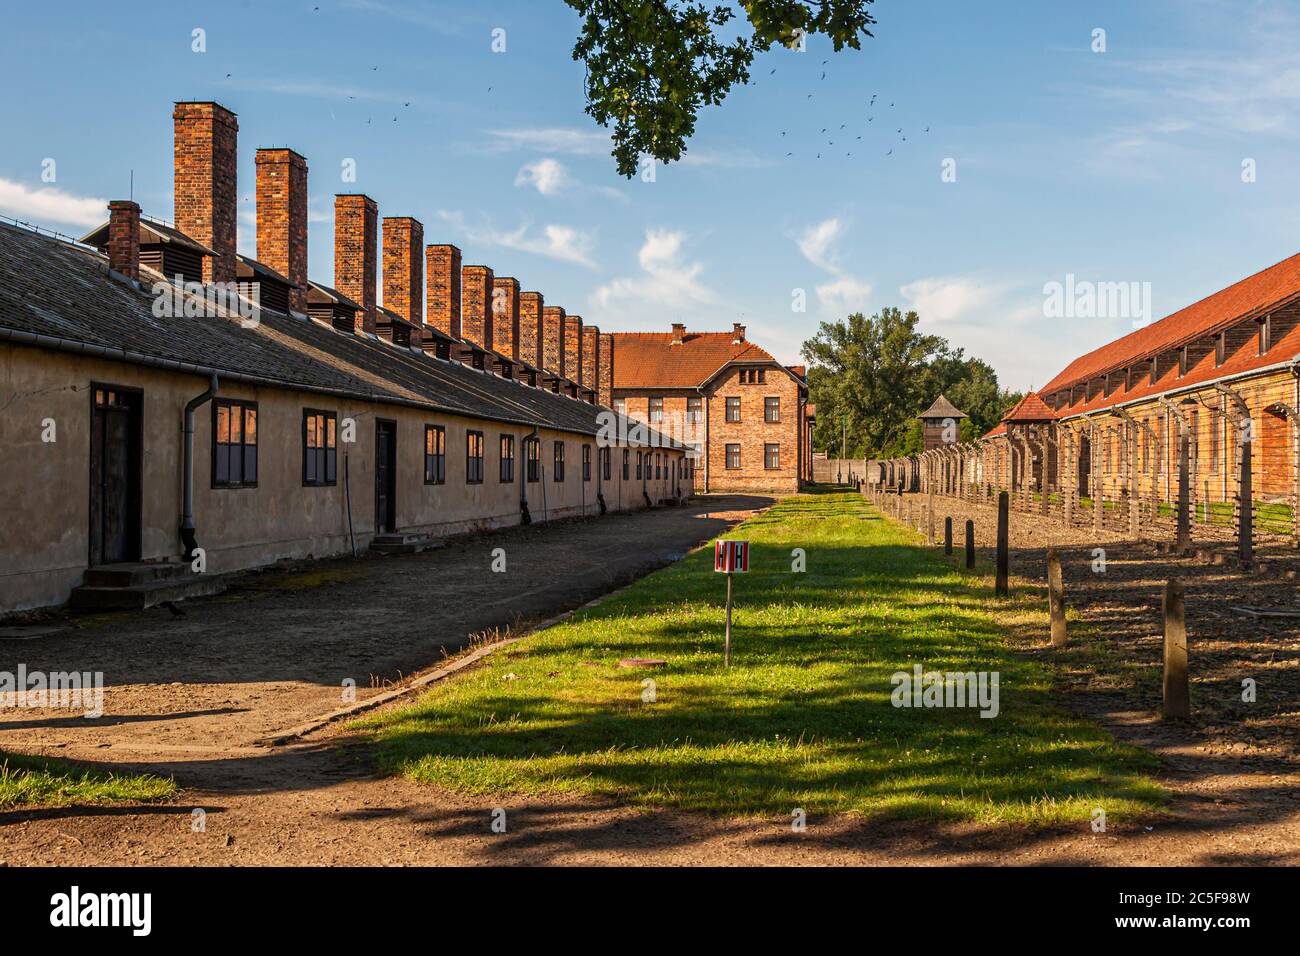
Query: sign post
point(730, 557)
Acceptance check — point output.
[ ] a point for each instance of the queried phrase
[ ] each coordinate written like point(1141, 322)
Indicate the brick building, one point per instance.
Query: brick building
point(166, 397)
point(744, 415)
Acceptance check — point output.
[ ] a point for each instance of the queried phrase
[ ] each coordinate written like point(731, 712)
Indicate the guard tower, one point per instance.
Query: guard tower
point(941, 422)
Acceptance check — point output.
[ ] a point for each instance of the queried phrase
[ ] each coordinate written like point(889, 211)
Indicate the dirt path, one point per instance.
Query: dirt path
point(273, 653)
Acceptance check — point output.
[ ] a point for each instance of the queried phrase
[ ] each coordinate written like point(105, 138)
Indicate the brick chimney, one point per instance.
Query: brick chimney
point(206, 189)
point(476, 307)
point(737, 333)
point(505, 316)
point(679, 332)
point(124, 237)
point(442, 285)
point(553, 339)
point(404, 267)
point(356, 228)
point(605, 371)
point(530, 328)
point(572, 358)
point(590, 356)
point(282, 218)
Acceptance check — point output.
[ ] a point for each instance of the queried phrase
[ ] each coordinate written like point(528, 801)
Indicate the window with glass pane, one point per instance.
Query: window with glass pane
point(473, 458)
point(319, 452)
point(733, 409)
point(771, 456)
point(435, 455)
point(656, 410)
point(771, 409)
point(586, 463)
point(558, 469)
point(638, 466)
point(733, 456)
point(606, 463)
point(693, 410)
point(626, 458)
point(234, 444)
point(533, 456)
point(507, 458)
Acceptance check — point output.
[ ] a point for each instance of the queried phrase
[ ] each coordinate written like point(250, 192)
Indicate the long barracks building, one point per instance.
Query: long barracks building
point(164, 398)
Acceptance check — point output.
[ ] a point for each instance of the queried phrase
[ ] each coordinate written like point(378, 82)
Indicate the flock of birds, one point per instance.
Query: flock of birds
point(844, 127)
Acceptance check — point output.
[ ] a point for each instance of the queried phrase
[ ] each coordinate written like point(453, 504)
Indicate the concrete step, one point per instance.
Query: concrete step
point(135, 573)
point(404, 542)
point(137, 597)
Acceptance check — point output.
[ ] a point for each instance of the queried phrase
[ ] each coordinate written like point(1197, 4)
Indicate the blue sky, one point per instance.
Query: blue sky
point(1123, 165)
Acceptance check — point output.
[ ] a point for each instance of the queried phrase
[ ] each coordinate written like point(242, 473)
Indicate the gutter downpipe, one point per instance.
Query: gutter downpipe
point(187, 487)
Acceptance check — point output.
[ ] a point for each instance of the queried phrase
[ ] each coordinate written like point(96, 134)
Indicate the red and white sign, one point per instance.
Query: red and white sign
point(731, 556)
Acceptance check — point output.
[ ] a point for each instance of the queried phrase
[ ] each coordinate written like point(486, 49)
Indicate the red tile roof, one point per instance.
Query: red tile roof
point(650, 360)
point(1031, 408)
point(1253, 295)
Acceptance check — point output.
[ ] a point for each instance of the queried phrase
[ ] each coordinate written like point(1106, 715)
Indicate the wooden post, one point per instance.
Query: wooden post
point(1177, 697)
point(1003, 554)
point(1056, 598)
point(947, 535)
point(726, 647)
point(1183, 542)
point(970, 543)
point(1246, 509)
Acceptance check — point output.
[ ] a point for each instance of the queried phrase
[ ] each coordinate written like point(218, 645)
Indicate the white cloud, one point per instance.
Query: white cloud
point(564, 243)
point(816, 242)
point(48, 204)
point(844, 296)
point(667, 280)
point(949, 298)
point(548, 176)
point(570, 142)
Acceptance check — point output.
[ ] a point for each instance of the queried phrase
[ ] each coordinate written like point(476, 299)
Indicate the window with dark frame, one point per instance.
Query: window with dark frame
point(435, 455)
point(656, 410)
point(606, 463)
point(533, 457)
point(627, 456)
point(586, 463)
point(733, 457)
point(473, 458)
point(771, 456)
point(772, 409)
point(557, 470)
point(733, 409)
point(234, 444)
point(694, 408)
point(638, 466)
point(319, 447)
point(507, 458)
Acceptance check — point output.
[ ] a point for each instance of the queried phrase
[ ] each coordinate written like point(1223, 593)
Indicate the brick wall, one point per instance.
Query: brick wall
point(530, 328)
point(124, 237)
point(553, 339)
point(605, 372)
point(476, 305)
point(591, 358)
point(356, 227)
point(752, 433)
point(505, 315)
point(404, 267)
point(442, 277)
point(572, 357)
point(205, 186)
point(282, 218)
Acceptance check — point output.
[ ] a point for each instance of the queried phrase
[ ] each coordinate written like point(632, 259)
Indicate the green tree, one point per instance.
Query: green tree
point(653, 64)
point(872, 377)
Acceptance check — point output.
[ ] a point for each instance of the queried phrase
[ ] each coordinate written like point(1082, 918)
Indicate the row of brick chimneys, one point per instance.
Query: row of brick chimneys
point(425, 285)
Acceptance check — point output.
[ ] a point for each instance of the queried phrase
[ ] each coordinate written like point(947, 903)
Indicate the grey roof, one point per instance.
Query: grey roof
point(151, 231)
point(942, 408)
point(57, 295)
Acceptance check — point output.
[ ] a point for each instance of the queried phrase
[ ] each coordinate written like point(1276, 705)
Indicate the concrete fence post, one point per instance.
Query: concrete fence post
point(1056, 598)
point(1177, 697)
point(1004, 506)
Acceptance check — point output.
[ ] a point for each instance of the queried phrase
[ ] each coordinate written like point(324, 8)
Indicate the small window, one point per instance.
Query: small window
point(558, 470)
point(586, 463)
point(319, 447)
point(606, 463)
point(435, 455)
point(771, 410)
point(656, 410)
point(473, 458)
point(771, 457)
point(626, 457)
point(620, 405)
point(234, 444)
point(693, 410)
point(507, 458)
point(638, 466)
point(733, 456)
point(733, 409)
point(533, 454)
point(657, 473)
